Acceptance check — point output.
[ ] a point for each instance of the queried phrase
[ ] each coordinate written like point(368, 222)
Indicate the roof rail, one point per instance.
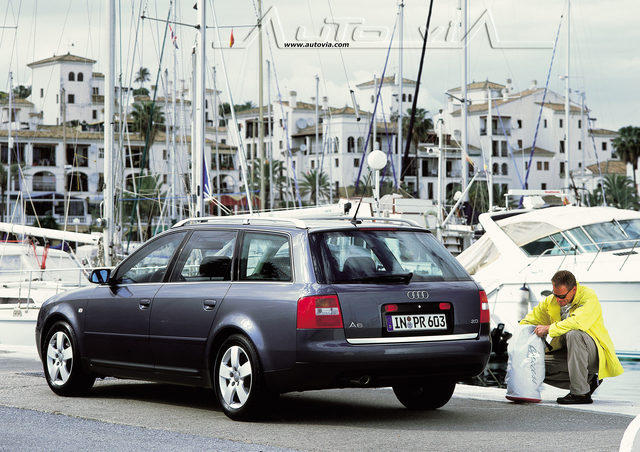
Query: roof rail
point(375, 219)
point(298, 223)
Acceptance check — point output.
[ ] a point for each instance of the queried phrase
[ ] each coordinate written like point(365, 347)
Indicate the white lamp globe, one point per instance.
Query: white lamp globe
point(377, 160)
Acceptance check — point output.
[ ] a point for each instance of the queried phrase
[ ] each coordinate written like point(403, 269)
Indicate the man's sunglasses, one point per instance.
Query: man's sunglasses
point(562, 297)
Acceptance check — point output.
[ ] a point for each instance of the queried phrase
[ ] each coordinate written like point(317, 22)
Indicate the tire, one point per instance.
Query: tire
point(238, 379)
point(430, 395)
point(61, 361)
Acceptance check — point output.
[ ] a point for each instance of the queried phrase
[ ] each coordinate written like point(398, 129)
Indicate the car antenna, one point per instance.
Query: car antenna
point(355, 221)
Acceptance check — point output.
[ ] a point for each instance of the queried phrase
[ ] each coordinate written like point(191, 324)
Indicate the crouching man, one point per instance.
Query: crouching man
point(582, 352)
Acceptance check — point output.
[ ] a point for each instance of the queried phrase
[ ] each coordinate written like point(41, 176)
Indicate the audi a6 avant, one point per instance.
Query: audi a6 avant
point(258, 307)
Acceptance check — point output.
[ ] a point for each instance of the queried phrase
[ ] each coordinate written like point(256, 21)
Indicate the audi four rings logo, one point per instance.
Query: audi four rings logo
point(417, 294)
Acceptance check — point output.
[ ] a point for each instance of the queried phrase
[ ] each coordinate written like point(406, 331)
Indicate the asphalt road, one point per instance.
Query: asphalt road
point(127, 415)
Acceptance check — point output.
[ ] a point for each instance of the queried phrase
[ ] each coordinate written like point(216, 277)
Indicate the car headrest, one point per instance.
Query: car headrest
point(359, 266)
point(216, 267)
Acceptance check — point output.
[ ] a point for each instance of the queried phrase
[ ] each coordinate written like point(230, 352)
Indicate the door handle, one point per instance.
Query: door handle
point(145, 303)
point(208, 305)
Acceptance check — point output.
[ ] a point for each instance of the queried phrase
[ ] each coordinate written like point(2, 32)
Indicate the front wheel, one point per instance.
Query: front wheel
point(429, 395)
point(238, 379)
point(61, 362)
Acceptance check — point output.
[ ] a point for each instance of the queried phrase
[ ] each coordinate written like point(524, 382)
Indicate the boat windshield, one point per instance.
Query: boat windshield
point(607, 236)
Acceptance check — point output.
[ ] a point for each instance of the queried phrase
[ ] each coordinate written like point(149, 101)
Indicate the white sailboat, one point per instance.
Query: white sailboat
point(30, 274)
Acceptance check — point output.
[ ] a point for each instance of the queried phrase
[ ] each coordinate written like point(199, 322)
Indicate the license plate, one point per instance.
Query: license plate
point(416, 322)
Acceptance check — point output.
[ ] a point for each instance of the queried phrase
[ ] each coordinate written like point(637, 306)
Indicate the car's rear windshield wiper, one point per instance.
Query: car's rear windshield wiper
point(404, 278)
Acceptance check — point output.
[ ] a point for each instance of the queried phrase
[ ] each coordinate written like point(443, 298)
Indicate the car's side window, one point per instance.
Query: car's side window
point(265, 257)
point(150, 263)
point(206, 257)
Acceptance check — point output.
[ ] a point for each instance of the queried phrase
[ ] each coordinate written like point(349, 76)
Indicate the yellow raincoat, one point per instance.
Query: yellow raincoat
point(585, 315)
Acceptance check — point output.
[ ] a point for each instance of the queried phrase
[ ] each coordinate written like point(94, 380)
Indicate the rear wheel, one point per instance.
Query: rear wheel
point(61, 362)
point(429, 395)
point(238, 379)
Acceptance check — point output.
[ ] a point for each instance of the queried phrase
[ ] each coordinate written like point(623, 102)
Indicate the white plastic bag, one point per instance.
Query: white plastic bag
point(525, 368)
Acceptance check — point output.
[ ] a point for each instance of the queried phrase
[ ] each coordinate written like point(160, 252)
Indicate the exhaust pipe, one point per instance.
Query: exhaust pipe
point(362, 381)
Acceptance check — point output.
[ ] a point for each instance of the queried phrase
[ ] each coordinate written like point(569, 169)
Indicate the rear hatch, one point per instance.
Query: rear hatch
point(396, 283)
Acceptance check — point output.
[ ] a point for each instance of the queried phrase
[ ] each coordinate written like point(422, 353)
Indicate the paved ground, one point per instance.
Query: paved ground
point(133, 415)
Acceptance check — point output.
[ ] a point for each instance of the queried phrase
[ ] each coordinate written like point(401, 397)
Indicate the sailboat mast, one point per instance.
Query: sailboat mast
point(216, 125)
point(400, 78)
point(260, 109)
point(174, 169)
point(198, 155)
point(567, 105)
point(108, 133)
point(9, 146)
point(465, 121)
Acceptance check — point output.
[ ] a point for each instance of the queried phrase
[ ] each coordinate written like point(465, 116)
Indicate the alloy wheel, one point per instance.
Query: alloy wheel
point(59, 358)
point(235, 376)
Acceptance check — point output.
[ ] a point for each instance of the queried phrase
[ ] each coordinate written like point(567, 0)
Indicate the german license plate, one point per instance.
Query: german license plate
point(416, 322)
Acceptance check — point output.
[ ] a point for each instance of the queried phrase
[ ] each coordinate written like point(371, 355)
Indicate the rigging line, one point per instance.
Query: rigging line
point(14, 47)
point(405, 156)
point(375, 106)
point(241, 149)
point(544, 97)
point(284, 123)
point(344, 66)
point(150, 125)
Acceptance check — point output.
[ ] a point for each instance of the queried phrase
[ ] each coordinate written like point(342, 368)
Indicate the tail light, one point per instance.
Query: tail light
point(484, 307)
point(319, 312)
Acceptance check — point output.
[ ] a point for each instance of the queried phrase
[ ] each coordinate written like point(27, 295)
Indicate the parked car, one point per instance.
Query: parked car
point(258, 307)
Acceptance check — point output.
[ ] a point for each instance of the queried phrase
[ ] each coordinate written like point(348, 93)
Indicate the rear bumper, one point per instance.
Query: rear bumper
point(325, 360)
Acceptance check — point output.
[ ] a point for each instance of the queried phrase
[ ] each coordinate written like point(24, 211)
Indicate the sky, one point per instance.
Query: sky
point(604, 54)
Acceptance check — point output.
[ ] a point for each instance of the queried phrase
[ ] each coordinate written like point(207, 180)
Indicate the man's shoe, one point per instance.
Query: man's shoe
point(575, 399)
point(594, 383)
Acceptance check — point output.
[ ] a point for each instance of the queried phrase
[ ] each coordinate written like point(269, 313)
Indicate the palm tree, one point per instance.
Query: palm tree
point(627, 146)
point(21, 91)
point(308, 185)
point(147, 120)
point(279, 183)
point(421, 126)
point(142, 76)
point(620, 191)
point(3, 184)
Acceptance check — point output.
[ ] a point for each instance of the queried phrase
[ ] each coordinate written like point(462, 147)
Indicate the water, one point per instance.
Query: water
point(623, 388)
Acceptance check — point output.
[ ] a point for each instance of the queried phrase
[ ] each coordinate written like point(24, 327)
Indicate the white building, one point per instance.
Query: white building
point(504, 128)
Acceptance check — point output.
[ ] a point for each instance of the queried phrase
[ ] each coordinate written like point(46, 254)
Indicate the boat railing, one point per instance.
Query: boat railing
point(28, 280)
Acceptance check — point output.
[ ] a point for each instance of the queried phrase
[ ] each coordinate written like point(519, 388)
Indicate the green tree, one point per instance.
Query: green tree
point(47, 222)
point(147, 120)
point(479, 197)
point(141, 92)
point(149, 202)
point(142, 76)
point(278, 185)
point(21, 91)
point(421, 127)
point(308, 186)
point(620, 191)
point(15, 169)
point(627, 146)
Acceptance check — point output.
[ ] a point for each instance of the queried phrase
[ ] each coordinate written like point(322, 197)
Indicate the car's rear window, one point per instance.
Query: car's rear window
point(381, 256)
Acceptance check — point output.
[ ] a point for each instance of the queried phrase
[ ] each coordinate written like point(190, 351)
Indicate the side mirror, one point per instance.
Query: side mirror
point(100, 275)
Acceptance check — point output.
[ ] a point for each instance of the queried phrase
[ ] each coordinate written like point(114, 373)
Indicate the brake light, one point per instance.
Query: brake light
point(484, 307)
point(391, 308)
point(445, 306)
point(319, 312)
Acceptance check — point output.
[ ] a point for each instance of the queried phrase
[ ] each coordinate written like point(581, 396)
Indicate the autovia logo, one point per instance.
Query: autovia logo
point(417, 295)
